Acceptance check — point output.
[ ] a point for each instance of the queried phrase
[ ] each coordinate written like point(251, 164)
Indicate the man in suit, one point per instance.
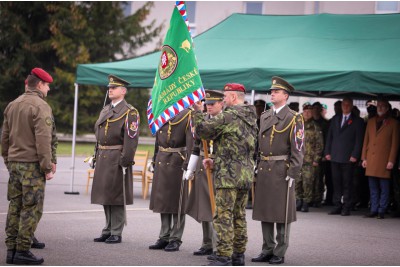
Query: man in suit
point(117, 134)
point(381, 143)
point(343, 148)
point(174, 141)
point(281, 153)
point(199, 205)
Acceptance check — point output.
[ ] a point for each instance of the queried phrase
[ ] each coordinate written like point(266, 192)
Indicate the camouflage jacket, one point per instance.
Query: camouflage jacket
point(314, 142)
point(234, 132)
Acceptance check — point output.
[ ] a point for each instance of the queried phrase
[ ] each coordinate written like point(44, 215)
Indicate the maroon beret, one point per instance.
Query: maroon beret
point(42, 74)
point(234, 87)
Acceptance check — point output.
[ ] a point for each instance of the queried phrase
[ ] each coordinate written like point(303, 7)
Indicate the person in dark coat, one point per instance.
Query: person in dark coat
point(174, 141)
point(199, 205)
point(117, 134)
point(281, 153)
point(343, 148)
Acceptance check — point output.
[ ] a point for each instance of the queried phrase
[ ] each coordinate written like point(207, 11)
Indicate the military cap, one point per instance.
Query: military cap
point(280, 84)
point(234, 87)
point(114, 81)
point(42, 75)
point(325, 106)
point(213, 96)
point(259, 103)
point(307, 105)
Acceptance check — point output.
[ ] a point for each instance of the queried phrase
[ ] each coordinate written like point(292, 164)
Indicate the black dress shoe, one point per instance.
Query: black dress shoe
point(26, 258)
point(10, 256)
point(335, 211)
point(221, 261)
point(277, 260)
point(304, 208)
point(381, 215)
point(172, 246)
point(262, 258)
point(160, 244)
point(237, 259)
point(212, 256)
point(203, 252)
point(102, 238)
point(345, 213)
point(113, 239)
point(37, 244)
point(371, 215)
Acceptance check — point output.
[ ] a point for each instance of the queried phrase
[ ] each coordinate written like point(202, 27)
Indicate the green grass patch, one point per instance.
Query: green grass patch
point(87, 149)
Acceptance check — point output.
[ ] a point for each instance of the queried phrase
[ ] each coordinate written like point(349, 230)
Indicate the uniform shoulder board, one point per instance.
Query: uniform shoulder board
point(293, 112)
point(132, 109)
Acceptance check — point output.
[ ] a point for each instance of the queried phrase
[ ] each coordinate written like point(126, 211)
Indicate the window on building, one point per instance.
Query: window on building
point(127, 6)
point(191, 15)
point(254, 7)
point(383, 7)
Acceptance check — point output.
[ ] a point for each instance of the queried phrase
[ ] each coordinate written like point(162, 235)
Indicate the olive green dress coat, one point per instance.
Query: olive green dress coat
point(199, 206)
point(169, 166)
point(271, 186)
point(123, 129)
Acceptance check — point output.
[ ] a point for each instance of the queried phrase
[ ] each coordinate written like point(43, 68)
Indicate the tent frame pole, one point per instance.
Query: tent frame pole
point(71, 192)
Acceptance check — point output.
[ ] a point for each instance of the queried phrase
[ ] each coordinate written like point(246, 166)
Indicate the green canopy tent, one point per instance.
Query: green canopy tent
point(322, 55)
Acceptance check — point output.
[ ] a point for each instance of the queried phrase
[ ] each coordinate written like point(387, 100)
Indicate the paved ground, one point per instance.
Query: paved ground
point(70, 223)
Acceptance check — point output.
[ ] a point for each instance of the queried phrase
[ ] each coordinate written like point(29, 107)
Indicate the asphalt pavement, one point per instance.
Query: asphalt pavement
point(70, 223)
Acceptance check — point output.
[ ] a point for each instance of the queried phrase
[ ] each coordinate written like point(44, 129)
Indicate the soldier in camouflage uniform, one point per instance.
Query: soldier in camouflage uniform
point(281, 156)
point(313, 148)
point(199, 205)
point(26, 149)
point(234, 132)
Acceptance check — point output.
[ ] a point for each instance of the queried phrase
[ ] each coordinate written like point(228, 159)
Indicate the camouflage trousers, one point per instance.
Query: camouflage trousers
point(230, 221)
point(26, 194)
point(304, 185)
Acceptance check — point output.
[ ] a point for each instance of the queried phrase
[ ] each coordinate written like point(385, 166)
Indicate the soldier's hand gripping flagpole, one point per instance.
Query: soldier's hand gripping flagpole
point(124, 194)
point(209, 178)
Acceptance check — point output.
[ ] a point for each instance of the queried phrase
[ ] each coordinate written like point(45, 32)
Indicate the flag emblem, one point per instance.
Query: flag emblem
point(168, 62)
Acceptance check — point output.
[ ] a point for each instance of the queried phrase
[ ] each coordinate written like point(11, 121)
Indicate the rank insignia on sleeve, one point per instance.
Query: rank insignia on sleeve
point(133, 127)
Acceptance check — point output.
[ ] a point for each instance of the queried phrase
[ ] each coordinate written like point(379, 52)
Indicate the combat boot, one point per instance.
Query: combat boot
point(25, 257)
point(299, 203)
point(238, 259)
point(10, 256)
point(37, 244)
point(221, 261)
point(304, 208)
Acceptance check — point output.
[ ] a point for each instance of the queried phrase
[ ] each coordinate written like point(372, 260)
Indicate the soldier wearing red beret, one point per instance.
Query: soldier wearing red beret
point(26, 149)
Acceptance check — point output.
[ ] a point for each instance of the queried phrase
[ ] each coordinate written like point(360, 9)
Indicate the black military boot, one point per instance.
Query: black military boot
point(25, 257)
point(37, 244)
point(304, 208)
point(10, 256)
point(238, 259)
point(221, 261)
point(299, 203)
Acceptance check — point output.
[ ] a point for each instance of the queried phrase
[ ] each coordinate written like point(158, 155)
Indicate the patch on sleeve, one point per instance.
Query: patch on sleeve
point(298, 137)
point(49, 121)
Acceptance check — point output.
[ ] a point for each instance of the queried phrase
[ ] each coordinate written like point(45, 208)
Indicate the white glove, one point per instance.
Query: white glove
point(290, 180)
point(188, 175)
point(90, 161)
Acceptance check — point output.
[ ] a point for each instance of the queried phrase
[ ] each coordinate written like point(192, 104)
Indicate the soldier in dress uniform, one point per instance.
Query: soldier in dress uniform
point(26, 149)
point(281, 156)
point(174, 142)
point(199, 206)
point(234, 133)
point(117, 134)
point(313, 148)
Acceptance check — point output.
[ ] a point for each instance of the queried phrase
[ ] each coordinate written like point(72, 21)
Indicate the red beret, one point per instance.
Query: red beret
point(234, 87)
point(26, 81)
point(42, 74)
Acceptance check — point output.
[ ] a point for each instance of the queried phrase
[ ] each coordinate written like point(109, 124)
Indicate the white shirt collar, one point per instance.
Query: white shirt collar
point(115, 104)
point(276, 111)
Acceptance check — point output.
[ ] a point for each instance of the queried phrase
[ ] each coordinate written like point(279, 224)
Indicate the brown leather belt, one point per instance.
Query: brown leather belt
point(210, 156)
point(172, 149)
point(119, 147)
point(282, 157)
